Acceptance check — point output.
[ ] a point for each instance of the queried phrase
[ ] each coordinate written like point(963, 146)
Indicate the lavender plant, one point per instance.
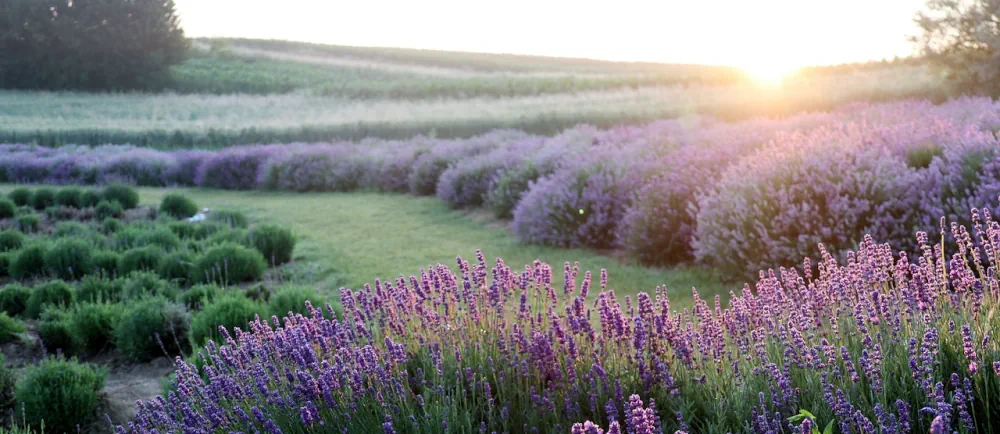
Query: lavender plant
point(883, 341)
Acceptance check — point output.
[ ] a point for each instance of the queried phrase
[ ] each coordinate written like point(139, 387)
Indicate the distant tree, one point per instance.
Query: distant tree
point(88, 44)
point(963, 38)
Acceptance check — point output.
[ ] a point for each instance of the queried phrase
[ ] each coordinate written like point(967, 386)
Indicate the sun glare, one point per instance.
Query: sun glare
point(769, 73)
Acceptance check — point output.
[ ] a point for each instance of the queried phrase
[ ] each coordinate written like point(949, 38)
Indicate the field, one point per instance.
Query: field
point(819, 254)
point(332, 102)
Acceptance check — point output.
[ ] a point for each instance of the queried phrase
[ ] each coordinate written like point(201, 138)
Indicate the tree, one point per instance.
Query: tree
point(88, 44)
point(963, 38)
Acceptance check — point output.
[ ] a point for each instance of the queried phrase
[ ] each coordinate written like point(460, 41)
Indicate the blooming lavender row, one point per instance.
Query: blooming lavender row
point(740, 196)
point(884, 341)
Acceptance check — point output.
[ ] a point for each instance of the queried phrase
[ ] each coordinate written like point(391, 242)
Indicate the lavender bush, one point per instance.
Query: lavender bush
point(580, 205)
point(236, 168)
point(880, 342)
point(314, 168)
point(468, 182)
point(774, 207)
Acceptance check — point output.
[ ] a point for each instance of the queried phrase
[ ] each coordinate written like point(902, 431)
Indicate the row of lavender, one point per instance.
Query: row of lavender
point(741, 196)
point(882, 342)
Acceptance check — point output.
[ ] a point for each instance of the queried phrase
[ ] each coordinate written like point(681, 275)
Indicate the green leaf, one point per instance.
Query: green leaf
point(806, 413)
point(829, 428)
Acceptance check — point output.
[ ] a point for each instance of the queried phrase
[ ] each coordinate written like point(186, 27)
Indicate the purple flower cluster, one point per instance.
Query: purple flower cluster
point(881, 341)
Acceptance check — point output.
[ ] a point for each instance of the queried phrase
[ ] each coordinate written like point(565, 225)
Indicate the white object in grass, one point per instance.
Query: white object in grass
point(199, 217)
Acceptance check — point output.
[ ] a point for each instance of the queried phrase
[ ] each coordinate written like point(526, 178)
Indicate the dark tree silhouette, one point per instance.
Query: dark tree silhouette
point(88, 44)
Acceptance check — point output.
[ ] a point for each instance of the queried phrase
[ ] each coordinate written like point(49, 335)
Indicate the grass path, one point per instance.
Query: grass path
point(350, 239)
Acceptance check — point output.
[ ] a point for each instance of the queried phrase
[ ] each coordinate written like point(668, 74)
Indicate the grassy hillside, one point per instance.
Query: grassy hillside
point(245, 91)
point(263, 67)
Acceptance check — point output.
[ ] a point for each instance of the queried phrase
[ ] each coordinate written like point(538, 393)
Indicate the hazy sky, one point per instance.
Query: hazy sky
point(781, 33)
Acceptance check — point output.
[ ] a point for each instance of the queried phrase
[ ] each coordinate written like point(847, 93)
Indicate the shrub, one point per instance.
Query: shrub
point(7, 208)
point(14, 298)
point(427, 169)
point(510, 185)
point(20, 196)
point(659, 225)
point(467, 183)
point(149, 322)
point(68, 258)
point(775, 211)
point(224, 235)
point(56, 212)
point(188, 163)
point(178, 206)
point(43, 198)
point(198, 296)
point(139, 259)
point(140, 285)
point(274, 242)
point(55, 331)
point(139, 166)
point(107, 209)
point(257, 292)
point(4, 264)
point(235, 168)
point(229, 311)
point(232, 218)
point(99, 289)
point(183, 230)
point(89, 198)
point(196, 231)
point(287, 299)
point(10, 328)
point(393, 174)
point(129, 237)
point(161, 237)
point(104, 263)
point(580, 205)
point(176, 267)
point(313, 168)
point(228, 264)
point(7, 403)
point(70, 229)
point(60, 394)
point(28, 262)
point(55, 293)
point(125, 195)
point(93, 325)
point(29, 223)
point(70, 196)
point(111, 225)
point(11, 240)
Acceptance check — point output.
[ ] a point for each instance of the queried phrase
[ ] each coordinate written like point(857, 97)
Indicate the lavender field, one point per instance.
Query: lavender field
point(740, 197)
point(540, 217)
point(874, 344)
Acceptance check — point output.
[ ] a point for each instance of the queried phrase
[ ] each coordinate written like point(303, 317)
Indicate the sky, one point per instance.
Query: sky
point(776, 34)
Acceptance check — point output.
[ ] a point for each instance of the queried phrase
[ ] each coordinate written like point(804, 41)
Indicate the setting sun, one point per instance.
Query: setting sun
point(769, 73)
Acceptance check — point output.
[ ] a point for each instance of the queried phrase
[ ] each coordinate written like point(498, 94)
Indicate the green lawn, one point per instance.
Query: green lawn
point(350, 239)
